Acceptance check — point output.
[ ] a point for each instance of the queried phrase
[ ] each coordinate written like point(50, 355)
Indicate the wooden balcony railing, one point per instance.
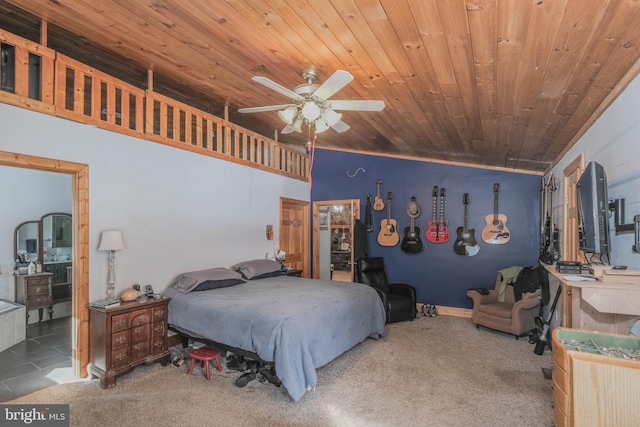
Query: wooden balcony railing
point(38, 78)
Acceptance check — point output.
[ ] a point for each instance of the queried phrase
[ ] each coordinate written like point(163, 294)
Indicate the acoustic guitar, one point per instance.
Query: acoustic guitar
point(411, 242)
point(496, 231)
point(388, 235)
point(466, 243)
point(378, 204)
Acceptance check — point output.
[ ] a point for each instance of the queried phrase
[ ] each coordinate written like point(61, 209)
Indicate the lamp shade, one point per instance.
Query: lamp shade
point(321, 126)
point(288, 114)
point(331, 117)
point(111, 241)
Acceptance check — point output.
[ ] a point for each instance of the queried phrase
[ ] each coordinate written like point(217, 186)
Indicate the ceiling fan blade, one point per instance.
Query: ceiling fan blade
point(337, 81)
point(358, 105)
point(340, 127)
point(278, 88)
point(265, 108)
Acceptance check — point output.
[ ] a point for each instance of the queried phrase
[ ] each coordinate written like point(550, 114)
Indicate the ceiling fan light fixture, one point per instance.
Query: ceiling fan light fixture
point(331, 117)
point(288, 114)
point(311, 111)
point(321, 126)
point(297, 124)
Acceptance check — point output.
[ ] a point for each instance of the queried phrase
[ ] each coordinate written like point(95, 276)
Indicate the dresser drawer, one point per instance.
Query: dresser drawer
point(38, 281)
point(139, 350)
point(159, 313)
point(120, 357)
point(38, 288)
point(140, 317)
point(158, 345)
point(38, 301)
point(120, 322)
point(120, 339)
point(140, 333)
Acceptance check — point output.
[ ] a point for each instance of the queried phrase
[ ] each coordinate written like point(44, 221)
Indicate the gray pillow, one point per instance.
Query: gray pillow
point(256, 267)
point(186, 282)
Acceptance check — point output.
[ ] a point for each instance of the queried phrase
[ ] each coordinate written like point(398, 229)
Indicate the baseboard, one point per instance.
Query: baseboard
point(449, 311)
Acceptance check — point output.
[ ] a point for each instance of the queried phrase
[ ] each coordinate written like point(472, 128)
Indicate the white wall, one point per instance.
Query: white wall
point(614, 142)
point(178, 211)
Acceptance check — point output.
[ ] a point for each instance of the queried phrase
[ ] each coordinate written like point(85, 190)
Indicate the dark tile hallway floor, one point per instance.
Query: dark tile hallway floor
point(25, 366)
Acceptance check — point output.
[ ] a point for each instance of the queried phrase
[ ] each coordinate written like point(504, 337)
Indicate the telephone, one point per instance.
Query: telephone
point(148, 290)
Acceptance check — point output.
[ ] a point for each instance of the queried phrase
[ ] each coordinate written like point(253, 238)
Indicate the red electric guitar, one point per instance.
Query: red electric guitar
point(437, 227)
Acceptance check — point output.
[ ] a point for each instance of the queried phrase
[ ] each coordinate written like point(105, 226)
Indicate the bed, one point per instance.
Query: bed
point(297, 324)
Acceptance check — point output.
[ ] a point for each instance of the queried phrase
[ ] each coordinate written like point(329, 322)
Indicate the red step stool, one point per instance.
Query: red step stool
point(205, 355)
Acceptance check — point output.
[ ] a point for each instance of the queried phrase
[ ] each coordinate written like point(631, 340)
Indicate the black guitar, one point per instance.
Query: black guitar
point(368, 222)
point(411, 242)
point(466, 243)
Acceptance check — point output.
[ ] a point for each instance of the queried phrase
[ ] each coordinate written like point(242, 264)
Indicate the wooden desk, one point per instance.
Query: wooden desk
point(606, 307)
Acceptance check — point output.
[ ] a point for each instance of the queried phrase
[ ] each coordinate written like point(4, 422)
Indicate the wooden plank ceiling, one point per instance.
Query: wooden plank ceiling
point(502, 83)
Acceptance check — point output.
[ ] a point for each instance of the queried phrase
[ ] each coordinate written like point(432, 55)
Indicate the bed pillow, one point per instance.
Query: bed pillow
point(257, 267)
point(215, 284)
point(187, 282)
point(265, 275)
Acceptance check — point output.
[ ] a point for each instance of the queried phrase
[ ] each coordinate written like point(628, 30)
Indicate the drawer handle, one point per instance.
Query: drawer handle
point(138, 330)
point(138, 346)
point(38, 290)
point(121, 322)
point(158, 344)
point(159, 328)
point(120, 340)
point(121, 356)
point(159, 313)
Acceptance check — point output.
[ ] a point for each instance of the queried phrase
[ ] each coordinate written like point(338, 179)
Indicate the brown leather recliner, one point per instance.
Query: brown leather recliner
point(511, 316)
point(399, 299)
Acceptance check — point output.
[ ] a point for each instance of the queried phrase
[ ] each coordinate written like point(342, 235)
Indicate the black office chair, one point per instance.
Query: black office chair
point(399, 299)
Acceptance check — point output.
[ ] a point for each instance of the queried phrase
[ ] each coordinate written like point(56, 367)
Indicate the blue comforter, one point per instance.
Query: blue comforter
point(298, 324)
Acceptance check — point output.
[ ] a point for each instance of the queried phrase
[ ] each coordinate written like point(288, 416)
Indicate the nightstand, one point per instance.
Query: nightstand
point(35, 292)
point(296, 273)
point(125, 336)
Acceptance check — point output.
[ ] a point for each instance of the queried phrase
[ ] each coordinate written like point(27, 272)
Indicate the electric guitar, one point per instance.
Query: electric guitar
point(433, 228)
point(496, 231)
point(378, 204)
point(368, 222)
point(438, 232)
point(388, 235)
point(466, 243)
point(411, 242)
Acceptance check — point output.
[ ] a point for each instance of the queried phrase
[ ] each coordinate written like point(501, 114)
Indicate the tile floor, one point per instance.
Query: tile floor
point(25, 366)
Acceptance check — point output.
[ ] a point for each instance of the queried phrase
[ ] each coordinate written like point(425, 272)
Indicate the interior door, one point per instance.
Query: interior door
point(294, 233)
point(571, 175)
point(333, 222)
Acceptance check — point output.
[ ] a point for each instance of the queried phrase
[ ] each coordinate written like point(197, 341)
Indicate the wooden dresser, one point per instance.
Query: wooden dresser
point(126, 336)
point(592, 389)
point(35, 292)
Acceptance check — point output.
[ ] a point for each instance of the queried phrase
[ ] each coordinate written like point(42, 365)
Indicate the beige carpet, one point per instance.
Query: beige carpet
point(430, 372)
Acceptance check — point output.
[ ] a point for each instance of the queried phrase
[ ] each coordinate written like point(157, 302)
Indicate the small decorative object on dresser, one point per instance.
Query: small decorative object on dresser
point(129, 294)
point(125, 336)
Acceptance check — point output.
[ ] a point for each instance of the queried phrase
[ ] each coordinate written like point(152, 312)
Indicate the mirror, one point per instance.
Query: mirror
point(56, 237)
point(333, 223)
point(26, 241)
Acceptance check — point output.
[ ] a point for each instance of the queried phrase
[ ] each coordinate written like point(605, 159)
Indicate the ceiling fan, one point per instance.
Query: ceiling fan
point(310, 103)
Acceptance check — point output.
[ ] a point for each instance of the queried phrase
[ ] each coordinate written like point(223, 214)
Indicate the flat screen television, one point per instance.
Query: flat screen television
point(593, 210)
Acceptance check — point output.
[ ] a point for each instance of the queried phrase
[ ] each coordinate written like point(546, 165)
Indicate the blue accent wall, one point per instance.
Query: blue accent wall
point(439, 274)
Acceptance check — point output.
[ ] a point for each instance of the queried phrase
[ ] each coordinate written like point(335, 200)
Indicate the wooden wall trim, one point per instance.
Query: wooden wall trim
point(80, 193)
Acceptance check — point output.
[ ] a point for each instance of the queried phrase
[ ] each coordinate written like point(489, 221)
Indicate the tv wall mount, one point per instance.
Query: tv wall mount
point(617, 206)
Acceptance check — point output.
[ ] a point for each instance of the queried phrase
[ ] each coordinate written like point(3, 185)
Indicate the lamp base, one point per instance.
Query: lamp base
point(111, 290)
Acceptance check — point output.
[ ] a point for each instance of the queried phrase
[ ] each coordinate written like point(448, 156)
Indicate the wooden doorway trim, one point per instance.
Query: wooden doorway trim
point(80, 210)
point(570, 177)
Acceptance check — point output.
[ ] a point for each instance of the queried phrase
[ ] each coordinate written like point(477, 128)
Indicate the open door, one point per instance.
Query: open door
point(333, 223)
